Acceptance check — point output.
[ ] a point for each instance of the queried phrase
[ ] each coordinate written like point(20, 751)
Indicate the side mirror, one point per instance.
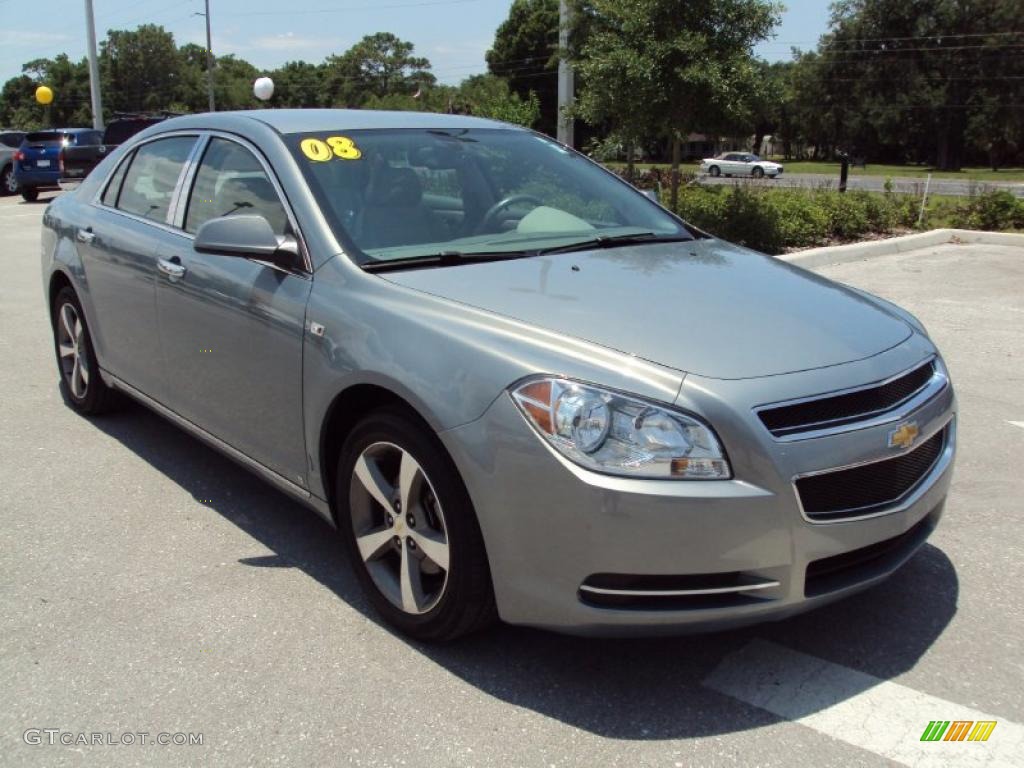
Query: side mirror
point(652, 194)
point(246, 235)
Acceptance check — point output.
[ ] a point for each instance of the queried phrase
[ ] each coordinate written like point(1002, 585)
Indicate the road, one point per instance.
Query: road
point(149, 585)
point(912, 186)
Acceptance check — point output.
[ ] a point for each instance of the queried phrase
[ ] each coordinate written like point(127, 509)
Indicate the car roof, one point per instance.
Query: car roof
point(314, 120)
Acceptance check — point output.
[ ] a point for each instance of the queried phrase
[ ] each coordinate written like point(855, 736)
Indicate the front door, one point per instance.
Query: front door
point(231, 329)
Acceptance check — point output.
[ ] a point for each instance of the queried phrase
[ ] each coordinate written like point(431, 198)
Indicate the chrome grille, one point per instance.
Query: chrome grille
point(846, 408)
point(868, 488)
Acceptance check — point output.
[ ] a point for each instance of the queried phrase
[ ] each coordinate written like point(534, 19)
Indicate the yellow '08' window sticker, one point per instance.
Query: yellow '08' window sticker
point(322, 150)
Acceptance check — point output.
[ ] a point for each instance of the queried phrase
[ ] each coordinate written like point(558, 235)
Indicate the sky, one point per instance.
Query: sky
point(453, 34)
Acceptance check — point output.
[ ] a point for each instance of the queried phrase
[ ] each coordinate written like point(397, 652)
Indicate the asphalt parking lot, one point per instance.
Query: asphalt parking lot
point(149, 585)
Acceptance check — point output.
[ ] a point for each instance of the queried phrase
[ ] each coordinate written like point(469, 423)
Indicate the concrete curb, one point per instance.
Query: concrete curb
point(840, 254)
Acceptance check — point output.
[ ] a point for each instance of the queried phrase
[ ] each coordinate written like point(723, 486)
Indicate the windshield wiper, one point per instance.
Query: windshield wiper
point(444, 259)
point(614, 241)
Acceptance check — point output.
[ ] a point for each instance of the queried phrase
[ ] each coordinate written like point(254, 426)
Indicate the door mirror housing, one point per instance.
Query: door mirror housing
point(249, 236)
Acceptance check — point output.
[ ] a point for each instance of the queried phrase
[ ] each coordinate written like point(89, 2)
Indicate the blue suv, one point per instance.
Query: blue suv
point(38, 159)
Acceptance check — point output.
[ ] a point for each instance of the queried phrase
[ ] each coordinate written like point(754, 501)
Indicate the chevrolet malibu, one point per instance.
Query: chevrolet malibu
point(516, 386)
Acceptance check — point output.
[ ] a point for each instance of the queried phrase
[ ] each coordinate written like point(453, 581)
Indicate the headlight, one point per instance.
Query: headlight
point(609, 432)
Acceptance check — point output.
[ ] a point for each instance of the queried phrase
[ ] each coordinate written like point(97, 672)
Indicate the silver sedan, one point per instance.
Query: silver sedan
point(740, 164)
point(516, 386)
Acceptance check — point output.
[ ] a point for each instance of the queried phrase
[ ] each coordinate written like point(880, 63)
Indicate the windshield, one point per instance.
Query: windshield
point(408, 194)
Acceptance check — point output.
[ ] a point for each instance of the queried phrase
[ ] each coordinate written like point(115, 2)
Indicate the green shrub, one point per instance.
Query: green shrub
point(993, 210)
point(772, 220)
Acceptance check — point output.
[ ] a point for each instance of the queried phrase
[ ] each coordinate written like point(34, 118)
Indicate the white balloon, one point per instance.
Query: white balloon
point(263, 88)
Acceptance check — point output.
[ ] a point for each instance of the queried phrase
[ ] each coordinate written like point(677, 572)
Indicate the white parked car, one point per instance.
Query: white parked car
point(740, 164)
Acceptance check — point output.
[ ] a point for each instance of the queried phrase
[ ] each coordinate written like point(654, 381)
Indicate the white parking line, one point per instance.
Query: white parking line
point(1017, 423)
point(870, 713)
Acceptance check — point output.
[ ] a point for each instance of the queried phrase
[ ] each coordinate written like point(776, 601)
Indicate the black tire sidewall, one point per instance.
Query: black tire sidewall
point(715, 171)
point(468, 590)
point(757, 173)
point(6, 176)
point(29, 194)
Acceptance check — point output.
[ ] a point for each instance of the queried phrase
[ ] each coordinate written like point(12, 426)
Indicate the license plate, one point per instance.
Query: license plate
point(42, 163)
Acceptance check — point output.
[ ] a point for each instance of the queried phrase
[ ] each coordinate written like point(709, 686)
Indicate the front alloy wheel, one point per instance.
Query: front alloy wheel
point(399, 527)
point(410, 528)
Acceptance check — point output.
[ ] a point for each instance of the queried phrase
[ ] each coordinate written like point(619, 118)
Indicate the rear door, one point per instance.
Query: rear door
point(231, 328)
point(119, 250)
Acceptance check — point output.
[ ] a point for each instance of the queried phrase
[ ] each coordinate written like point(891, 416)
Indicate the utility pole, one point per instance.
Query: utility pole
point(94, 69)
point(209, 56)
point(565, 76)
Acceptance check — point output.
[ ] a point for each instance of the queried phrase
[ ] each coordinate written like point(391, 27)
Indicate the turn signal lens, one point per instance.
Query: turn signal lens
point(620, 434)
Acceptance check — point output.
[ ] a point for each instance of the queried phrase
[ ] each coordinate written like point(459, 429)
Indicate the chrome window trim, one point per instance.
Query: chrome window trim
point(935, 386)
point(901, 504)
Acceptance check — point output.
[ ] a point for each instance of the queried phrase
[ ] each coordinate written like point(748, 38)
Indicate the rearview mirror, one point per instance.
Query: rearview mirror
point(248, 235)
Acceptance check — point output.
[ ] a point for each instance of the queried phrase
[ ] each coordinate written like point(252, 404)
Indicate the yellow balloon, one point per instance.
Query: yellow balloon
point(44, 95)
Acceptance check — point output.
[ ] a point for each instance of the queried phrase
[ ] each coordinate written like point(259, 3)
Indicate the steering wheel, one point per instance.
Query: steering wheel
point(491, 217)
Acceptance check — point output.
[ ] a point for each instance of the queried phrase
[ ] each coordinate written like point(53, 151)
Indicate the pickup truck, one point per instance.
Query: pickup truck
point(77, 161)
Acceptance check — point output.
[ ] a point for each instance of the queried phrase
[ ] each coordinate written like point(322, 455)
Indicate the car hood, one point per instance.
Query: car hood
point(703, 307)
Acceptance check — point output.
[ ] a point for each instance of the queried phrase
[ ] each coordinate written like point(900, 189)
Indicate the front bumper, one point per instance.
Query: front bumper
point(551, 526)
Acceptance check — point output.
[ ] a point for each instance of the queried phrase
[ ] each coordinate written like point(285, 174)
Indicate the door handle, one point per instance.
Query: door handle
point(86, 235)
point(171, 267)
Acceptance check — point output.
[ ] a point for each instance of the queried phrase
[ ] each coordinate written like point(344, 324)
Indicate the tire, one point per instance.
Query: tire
point(80, 378)
point(8, 183)
point(29, 194)
point(436, 604)
point(757, 172)
point(715, 171)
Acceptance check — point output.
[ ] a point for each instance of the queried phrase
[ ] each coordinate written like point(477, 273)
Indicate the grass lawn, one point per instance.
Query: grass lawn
point(977, 174)
point(895, 171)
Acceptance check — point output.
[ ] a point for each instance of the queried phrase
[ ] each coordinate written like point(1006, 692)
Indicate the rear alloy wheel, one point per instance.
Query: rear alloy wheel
point(8, 182)
point(714, 170)
point(80, 378)
point(411, 530)
point(758, 172)
point(30, 194)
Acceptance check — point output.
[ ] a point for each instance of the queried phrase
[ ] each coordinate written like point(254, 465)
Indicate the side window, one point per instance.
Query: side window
point(230, 181)
point(114, 185)
point(152, 176)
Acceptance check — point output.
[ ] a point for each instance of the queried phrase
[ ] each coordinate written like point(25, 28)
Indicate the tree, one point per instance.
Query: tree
point(378, 65)
point(299, 84)
point(911, 78)
point(140, 69)
point(525, 53)
point(491, 96)
point(671, 66)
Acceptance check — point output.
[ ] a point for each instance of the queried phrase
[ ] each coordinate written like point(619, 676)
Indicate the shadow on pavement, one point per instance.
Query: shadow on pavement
point(625, 689)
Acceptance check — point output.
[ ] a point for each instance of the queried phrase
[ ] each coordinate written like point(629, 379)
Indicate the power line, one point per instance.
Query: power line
point(349, 9)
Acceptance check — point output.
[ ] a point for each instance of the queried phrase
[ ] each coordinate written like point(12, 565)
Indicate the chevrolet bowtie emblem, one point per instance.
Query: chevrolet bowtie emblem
point(904, 435)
